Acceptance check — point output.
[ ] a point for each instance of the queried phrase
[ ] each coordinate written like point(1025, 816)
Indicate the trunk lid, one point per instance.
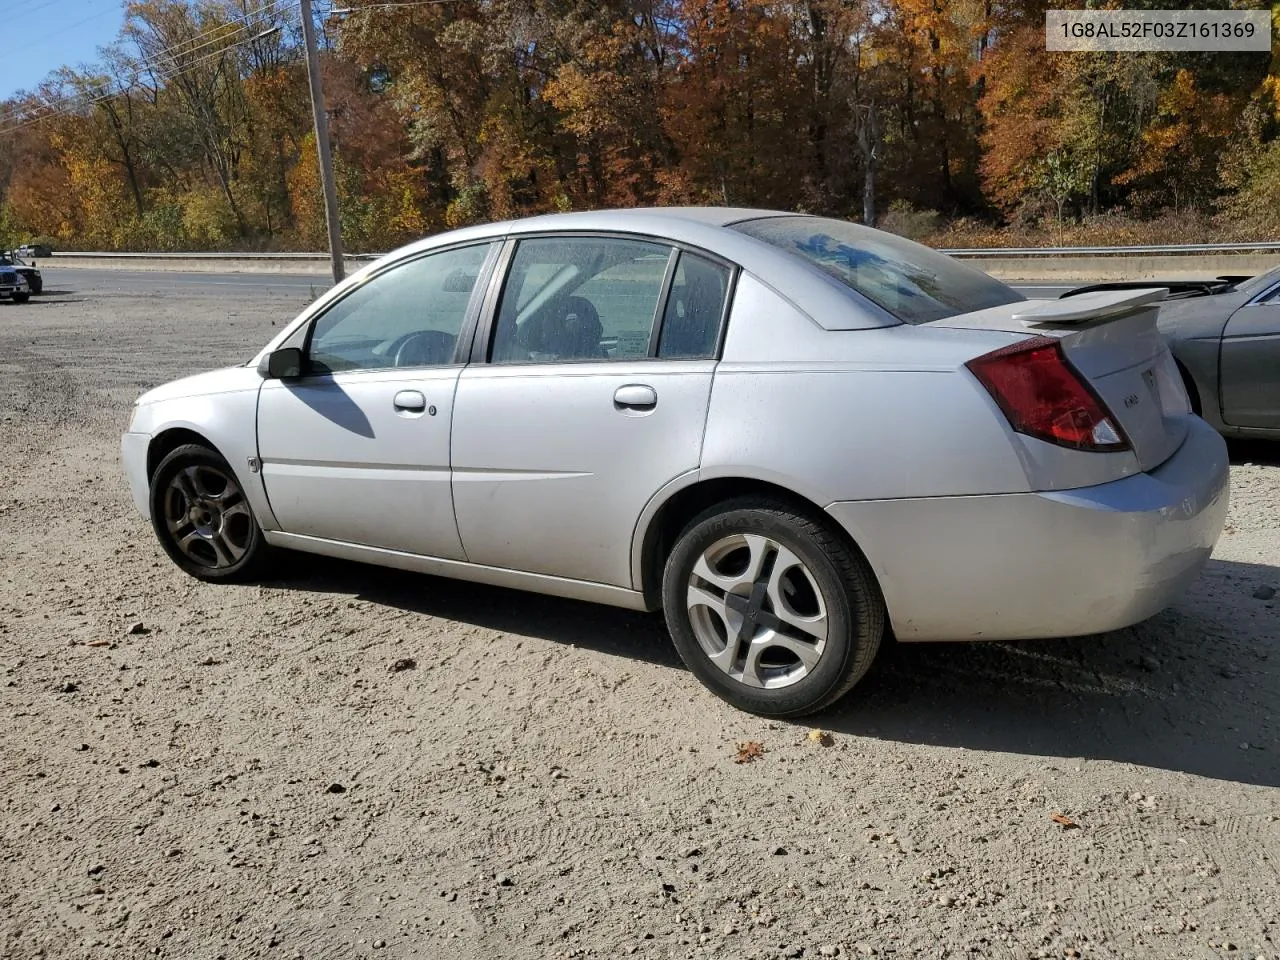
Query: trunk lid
point(1110, 338)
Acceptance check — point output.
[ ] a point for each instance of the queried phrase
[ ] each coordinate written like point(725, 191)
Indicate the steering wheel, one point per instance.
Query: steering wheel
point(425, 348)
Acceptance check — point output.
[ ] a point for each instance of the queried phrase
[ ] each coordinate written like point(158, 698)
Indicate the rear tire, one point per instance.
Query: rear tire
point(203, 519)
point(770, 608)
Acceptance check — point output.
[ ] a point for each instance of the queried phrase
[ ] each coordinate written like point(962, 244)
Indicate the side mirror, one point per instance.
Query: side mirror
point(282, 364)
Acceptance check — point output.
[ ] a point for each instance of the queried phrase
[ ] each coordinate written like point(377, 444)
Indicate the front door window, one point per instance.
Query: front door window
point(408, 316)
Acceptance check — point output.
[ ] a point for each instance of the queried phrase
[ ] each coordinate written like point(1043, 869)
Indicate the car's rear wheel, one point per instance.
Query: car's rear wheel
point(771, 608)
point(202, 517)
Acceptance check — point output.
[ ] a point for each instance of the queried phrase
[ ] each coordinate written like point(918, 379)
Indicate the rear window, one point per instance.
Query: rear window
point(910, 281)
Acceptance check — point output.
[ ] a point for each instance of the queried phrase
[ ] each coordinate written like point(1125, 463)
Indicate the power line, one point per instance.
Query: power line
point(260, 15)
point(339, 11)
point(62, 31)
point(165, 73)
point(146, 63)
point(164, 78)
point(47, 3)
point(187, 67)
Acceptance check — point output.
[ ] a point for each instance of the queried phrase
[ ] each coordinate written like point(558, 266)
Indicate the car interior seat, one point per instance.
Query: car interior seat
point(568, 330)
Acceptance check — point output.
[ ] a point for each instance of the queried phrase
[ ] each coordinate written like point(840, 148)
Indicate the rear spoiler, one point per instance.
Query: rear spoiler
point(1178, 289)
point(1090, 304)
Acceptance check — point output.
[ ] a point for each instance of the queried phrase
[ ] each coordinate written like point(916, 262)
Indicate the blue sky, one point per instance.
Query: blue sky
point(54, 33)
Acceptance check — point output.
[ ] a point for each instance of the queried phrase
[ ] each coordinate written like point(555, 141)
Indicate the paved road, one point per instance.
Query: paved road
point(164, 283)
point(267, 285)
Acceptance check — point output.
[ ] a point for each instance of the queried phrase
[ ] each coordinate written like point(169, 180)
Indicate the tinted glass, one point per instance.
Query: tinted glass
point(409, 316)
point(910, 281)
point(695, 306)
point(579, 298)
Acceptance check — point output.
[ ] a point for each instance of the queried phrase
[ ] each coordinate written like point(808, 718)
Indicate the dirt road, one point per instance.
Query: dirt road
point(237, 771)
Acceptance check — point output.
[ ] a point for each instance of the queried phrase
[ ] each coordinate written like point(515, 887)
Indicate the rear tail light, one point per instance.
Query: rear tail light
point(1043, 396)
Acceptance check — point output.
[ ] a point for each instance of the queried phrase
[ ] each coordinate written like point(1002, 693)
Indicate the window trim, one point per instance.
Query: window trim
point(1268, 297)
point(470, 318)
point(482, 344)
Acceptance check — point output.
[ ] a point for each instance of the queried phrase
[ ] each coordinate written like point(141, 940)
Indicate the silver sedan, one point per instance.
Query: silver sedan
point(795, 435)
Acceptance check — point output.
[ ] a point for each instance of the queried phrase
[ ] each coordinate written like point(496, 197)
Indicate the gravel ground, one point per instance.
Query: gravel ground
point(238, 771)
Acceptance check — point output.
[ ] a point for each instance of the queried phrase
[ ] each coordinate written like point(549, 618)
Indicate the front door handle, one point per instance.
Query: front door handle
point(410, 400)
point(635, 396)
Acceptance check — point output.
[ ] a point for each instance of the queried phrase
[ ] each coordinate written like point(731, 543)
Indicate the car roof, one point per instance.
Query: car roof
point(659, 221)
point(713, 216)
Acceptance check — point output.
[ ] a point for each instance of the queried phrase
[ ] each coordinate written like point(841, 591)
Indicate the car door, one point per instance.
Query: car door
point(1250, 370)
point(357, 449)
point(594, 396)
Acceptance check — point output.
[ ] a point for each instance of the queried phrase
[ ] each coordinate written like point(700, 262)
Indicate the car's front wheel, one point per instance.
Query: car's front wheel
point(21, 297)
point(202, 518)
point(770, 608)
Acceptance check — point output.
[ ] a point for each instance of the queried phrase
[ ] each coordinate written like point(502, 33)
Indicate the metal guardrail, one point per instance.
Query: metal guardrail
point(1265, 247)
point(1187, 248)
point(218, 255)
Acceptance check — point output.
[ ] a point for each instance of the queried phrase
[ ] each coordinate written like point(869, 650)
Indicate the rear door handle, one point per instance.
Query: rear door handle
point(635, 396)
point(411, 400)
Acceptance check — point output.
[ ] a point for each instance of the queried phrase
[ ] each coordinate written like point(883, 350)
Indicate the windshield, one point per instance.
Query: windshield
point(909, 280)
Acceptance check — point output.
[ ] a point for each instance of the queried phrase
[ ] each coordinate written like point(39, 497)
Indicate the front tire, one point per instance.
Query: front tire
point(770, 608)
point(202, 517)
point(21, 297)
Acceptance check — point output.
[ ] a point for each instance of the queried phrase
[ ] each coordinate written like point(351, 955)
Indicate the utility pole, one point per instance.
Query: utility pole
point(322, 143)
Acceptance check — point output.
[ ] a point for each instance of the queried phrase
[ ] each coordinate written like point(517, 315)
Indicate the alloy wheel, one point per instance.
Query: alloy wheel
point(757, 611)
point(207, 516)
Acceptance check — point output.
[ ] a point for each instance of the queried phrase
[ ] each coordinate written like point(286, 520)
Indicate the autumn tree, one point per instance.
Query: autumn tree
point(194, 130)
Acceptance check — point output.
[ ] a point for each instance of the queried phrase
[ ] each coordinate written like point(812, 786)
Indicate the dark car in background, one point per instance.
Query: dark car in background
point(1225, 335)
point(13, 285)
point(29, 271)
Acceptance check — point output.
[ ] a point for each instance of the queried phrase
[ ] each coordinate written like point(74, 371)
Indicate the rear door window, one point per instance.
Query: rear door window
point(695, 309)
point(580, 298)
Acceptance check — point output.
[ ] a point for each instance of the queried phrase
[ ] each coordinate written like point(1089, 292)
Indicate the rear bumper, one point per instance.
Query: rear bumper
point(1062, 564)
point(133, 453)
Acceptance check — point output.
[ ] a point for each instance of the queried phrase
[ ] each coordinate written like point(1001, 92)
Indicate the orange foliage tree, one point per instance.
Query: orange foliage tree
point(195, 129)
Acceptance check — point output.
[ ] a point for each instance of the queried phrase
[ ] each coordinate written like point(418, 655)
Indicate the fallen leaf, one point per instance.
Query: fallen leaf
point(98, 643)
point(751, 750)
point(1064, 821)
point(821, 737)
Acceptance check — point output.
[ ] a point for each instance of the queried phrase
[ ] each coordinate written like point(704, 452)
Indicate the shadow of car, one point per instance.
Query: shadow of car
point(1183, 691)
